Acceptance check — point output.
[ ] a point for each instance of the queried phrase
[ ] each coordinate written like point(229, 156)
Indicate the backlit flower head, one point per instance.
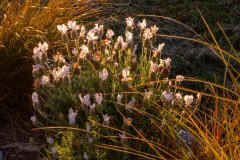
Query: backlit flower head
point(106, 118)
point(179, 78)
point(98, 29)
point(62, 28)
point(147, 94)
point(50, 140)
point(58, 58)
point(45, 79)
point(85, 156)
point(154, 29)
point(167, 62)
point(92, 107)
point(75, 52)
point(131, 103)
point(119, 98)
point(33, 119)
point(98, 98)
point(168, 96)
point(43, 47)
point(54, 150)
point(160, 48)
point(88, 127)
point(73, 25)
point(64, 71)
point(120, 44)
point(123, 135)
point(178, 96)
point(130, 22)
point(142, 25)
point(85, 100)
point(153, 67)
point(188, 99)
point(72, 116)
point(103, 74)
point(109, 34)
point(91, 36)
point(56, 73)
point(35, 97)
point(147, 34)
point(84, 51)
point(129, 37)
point(199, 96)
point(40, 50)
point(82, 31)
point(162, 63)
point(126, 74)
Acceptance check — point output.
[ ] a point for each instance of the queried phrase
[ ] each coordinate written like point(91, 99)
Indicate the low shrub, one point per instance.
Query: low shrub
point(103, 97)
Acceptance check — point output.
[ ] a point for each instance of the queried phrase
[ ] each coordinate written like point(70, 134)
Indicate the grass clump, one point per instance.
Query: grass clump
point(22, 24)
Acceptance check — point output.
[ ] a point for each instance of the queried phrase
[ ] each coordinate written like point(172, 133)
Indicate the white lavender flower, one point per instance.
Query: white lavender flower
point(91, 36)
point(129, 37)
point(40, 50)
point(82, 31)
point(62, 28)
point(103, 74)
point(147, 34)
point(50, 140)
point(84, 51)
point(58, 58)
point(92, 107)
point(147, 94)
point(109, 34)
point(126, 74)
point(168, 95)
point(130, 22)
point(75, 52)
point(33, 119)
point(119, 98)
point(73, 25)
point(54, 150)
point(45, 80)
point(106, 119)
point(154, 29)
point(123, 135)
point(72, 116)
point(88, 127)
point(160, 48)
point(153, 66)
point(85, 156)
point(64, 71)
point(188, 99)
point(85, 100)
point(35, 97)
point(178, 96)
point(142, 25)
point(167, 62)
point(98, 98)
point(179, 78)
point(162, 63)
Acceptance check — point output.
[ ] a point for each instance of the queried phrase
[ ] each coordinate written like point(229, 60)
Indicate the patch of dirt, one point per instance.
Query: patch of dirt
point(17, 141)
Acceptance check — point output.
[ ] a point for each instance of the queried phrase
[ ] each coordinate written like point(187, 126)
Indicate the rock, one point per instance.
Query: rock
point(1, 155)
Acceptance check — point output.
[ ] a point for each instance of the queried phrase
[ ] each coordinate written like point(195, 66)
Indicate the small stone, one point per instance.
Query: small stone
point(1, 155)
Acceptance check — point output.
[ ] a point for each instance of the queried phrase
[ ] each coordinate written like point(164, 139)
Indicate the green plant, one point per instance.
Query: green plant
point(85, 81)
